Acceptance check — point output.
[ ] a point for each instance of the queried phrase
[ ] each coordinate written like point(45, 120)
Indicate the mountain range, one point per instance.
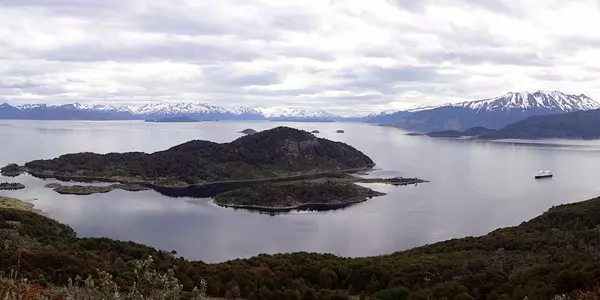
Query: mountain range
point(197, 111)
point(492, 113)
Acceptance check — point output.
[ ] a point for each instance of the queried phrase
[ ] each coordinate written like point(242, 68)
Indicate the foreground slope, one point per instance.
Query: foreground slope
point(277, 152)
point(556, 253)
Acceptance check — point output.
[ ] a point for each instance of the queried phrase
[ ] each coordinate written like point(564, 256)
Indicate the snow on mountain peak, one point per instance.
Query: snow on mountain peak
point(280, 112)
point(546, 100)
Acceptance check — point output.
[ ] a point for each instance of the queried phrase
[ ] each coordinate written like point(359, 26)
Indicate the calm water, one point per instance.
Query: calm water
point(475, 187)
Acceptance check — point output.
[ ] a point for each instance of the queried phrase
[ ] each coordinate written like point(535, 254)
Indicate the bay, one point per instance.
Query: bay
point(474, 187)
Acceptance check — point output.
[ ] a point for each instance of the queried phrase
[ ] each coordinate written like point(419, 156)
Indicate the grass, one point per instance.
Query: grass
point(12, 203)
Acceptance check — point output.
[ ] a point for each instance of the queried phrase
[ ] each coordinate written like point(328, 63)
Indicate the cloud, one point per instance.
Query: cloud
point(349, 56)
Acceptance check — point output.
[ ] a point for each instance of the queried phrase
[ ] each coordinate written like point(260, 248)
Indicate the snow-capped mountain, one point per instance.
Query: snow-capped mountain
point(99, 107)
point(176, 108)
point(293, 114)
point(491, 113)
point(198, 111)
point(550, 100)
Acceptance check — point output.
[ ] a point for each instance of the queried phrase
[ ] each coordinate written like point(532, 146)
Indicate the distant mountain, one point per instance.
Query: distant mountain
point(76, 111)
point(183, 119)
point(58, 112)
point(386, 117)
point(491, 113)
point(299, 115)
point(574, 125)
point(198, 111)
point(155, 111)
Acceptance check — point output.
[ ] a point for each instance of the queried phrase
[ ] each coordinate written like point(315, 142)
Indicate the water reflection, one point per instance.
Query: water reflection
point(475, 187)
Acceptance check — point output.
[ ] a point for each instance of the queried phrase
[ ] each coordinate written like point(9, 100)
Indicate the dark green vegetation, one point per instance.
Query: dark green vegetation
point(472, 132)
point(11, 186)
point(393, 181)
point(182, 119)
point(278, 152)
point(248, 131)
point(555, 253)
point(574, 125)
point(12, 170)
point(302, 195)
point(93, 189)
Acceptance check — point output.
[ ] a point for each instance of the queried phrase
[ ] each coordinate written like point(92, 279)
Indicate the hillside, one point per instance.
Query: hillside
point(553, 254)
point(492, 113)
point(575, 125)
point(276, 152)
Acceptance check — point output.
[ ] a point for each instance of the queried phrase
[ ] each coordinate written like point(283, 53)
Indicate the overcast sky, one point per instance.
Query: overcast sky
point(347, 56)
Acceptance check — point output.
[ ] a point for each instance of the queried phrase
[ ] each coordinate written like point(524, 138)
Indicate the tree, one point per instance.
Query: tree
point(396, 293)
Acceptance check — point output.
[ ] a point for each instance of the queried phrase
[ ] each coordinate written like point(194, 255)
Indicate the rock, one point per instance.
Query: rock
point(315, 131)
point(12, 170)
point(340, 131)
point(92, 189)
point(53, 185)
point(248, 131)
point(11, 186)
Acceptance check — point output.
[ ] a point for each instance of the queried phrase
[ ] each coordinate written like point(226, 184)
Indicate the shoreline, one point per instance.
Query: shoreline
point(208, 189)
point(13, 203)
point(309, 206)
point(314, 206)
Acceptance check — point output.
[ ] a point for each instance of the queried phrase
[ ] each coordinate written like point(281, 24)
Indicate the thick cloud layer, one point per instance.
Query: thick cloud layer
point(348, 56)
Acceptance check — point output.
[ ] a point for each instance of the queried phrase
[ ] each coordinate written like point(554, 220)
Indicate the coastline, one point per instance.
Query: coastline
point(13, 203)
point(202, 190)
point(312, 206)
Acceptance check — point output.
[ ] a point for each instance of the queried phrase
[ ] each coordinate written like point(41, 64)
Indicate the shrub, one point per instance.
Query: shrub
point(149, 285)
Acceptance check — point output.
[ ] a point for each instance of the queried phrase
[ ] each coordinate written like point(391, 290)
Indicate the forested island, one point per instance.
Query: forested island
point(323, 194)
point(551, 255)
point(273, 153)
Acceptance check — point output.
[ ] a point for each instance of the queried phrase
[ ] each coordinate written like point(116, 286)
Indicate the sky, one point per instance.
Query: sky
point(344, 56)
